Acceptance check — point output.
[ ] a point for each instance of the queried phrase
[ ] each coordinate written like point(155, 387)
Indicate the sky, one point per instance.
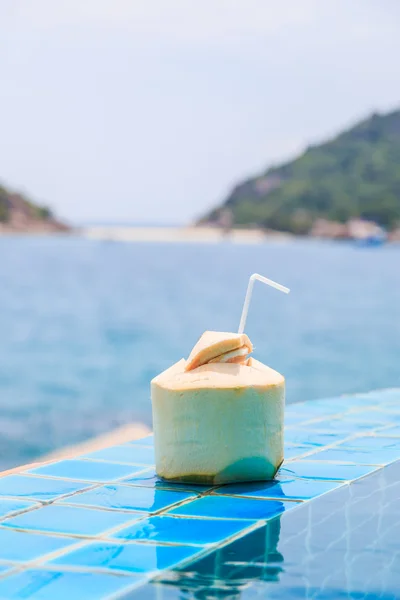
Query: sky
point(150, 111)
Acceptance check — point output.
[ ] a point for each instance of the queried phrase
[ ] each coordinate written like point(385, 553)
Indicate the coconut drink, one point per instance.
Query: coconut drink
point(218, 416)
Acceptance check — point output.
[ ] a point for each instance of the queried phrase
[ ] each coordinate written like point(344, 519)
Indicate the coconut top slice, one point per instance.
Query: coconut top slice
point(219, 376)
point(219, 346)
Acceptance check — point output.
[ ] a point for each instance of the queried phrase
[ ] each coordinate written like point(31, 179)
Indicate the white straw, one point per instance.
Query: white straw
point(249, 292)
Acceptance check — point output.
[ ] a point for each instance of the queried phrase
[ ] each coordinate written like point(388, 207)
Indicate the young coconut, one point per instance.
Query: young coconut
point(218, 416)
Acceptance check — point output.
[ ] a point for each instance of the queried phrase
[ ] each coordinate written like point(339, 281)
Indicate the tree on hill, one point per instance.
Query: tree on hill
point(355, 175)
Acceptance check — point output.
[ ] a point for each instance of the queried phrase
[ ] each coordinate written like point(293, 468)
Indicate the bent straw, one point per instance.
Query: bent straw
point(249, 292)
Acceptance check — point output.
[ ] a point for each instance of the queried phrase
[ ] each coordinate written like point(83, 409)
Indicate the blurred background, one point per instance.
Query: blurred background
point(155, 154)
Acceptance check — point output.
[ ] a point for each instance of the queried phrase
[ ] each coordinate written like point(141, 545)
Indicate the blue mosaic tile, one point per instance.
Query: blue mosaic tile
point(58, 585)
point(131, 557)
point(345, 403)
point(86, 470)
point(70, 520)
point(37, 488)
point(309, 469)
point(387, 394)
point(9, 506)
point(359, 456)
point(129, 498)
point(373, 443)
point(324, 406)
point(4, 568)
point(301, 409)
point(307, 437)
point(393, 405)
point(297, 419)
point(146, 441)
point(181, 530)
point(370, 418)
point(394, 414)
point(342, 427)
point(224, 507)
point(127, 454)
point(391, 431)
point(20, 546)
point(281, 488)
point(149, 478)
point(295, 451)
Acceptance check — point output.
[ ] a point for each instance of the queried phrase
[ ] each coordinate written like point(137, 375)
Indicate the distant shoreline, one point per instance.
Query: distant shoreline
point(180, 234)
point(159, 234)
point(168, 234)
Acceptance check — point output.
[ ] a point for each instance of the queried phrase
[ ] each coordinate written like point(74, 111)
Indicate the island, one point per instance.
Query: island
point(20, 215)
point(341, 188)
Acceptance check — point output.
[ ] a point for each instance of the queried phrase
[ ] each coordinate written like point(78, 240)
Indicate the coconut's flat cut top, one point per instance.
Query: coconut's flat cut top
point(219, 376)
point(219, 345)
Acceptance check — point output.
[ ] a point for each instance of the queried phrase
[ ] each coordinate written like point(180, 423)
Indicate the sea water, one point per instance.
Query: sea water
point(85, 325)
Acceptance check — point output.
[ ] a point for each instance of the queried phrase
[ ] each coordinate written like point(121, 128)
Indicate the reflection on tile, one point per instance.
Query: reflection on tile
point(224, 507)
point(345, 535)
point(70, 520)
point(23, 546)
point(129, 498)
point(38, 488)
point(9, 506)
point(59, 585)
point(182, 530)
point(294, 489)
point(85, 470)
point(340, 545)
point(127, 453)
point(149, 478)
point(324, 470)
point(230, 569)
point(132, 557)
point(359, 456)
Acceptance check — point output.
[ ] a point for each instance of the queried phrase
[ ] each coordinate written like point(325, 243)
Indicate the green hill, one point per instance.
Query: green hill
point(18, 214)
point(355, 175)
